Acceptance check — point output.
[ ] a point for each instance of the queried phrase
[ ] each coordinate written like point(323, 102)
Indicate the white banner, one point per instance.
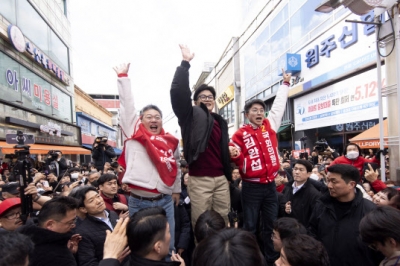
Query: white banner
point(353, 99)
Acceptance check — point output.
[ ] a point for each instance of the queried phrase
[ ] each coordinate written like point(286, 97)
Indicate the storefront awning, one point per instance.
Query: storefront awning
point(282, 128)
point(42, 148)
point(369, 139)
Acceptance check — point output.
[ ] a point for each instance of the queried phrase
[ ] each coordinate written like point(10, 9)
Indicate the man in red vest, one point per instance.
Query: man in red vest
point(254, 149)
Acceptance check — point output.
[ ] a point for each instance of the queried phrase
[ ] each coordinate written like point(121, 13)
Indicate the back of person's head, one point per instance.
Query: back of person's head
point(395, 201)
point(347, 172)
point(208, 223)
point(250, 104)
point(15, 249)
point(56, 209)
point(106, 178)
point(304, 250)
point(288, 227)
point(145, 229)
point(381, 224)
point(306, 164)
point(203, 87)
point(229, 247)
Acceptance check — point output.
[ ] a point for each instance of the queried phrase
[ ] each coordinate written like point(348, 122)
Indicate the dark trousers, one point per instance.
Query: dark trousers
point(262, 198)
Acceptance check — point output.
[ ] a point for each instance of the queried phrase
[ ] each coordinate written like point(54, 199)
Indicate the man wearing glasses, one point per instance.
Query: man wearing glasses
point(254, 149)
point(205, 143)
point(10, 212)
point(54, 242)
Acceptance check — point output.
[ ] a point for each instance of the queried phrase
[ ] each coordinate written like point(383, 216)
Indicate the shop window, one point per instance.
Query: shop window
point(228, 113)
point(295, 5)
point(58, 51)
point(7, 10)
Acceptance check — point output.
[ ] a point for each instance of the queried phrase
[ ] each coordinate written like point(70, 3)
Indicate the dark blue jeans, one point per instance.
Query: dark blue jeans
point(262, 198)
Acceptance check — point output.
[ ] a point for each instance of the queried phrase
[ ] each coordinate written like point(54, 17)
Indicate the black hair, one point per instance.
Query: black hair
point(288, 227)
point(56, 208)
point(250, 104)
point(380, 224)
point(151, 107)
point(203, 87)
point(145, 228)
point(352, 144)
point(347, 172)
point(304, 250)
point(306, 164)
point(390, 192)
point(395, 201)
point(208, 223)
point(81, 194)
point(231, 246)
point(14, 248)
point(106, 178)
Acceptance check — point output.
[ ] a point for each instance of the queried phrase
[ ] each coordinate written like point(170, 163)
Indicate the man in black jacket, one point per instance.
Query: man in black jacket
point(300, 194)
point(102, 153)
point(54, 242)
point(205, 143)
point(93, 228)
point(336, 217)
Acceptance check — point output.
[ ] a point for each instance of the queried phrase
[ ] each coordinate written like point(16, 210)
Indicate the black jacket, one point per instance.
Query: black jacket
point(93, 232)
point(182, 227)
point(341, 236)
point(101, 156)
point(50, 247)
point(302, 202)
point(196, 122)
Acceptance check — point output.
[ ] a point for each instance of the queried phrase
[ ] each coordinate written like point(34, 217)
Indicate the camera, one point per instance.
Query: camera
point(101, 140)
point(321, 145)
point(51, 163)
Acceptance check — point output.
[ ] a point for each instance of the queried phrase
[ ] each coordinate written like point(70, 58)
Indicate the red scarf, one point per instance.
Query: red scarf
point(161, 149)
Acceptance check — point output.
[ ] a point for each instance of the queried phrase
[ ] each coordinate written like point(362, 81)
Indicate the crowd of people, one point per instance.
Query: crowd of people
point(222, 201)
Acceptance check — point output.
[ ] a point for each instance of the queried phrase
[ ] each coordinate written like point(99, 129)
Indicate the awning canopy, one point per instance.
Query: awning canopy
point(42, 148)
point(369, 139)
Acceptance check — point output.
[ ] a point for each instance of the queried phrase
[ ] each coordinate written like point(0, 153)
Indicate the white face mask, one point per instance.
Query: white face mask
point(352, 155)
point(74, 175)
point(314, 176)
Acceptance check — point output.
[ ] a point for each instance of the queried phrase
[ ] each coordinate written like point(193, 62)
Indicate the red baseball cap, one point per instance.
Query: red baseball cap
point(8, 204)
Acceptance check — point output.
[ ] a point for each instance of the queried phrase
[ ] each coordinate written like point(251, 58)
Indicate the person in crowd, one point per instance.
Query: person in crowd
point(395, 202)
point(184, 167)
point(10, 190)
point(372, 176)
point(102, 153)
point(93, 177)
point(184, 196)
point(254, 150)
point(302, 250)
point(229, 247)
point(300, 194)
point(352, 156)
point(380, 230)
point(15, 249)
point(236, 213)
point(54, 242)
point(208, 223)
point(315, 173)
point(235, 173)
point(61, 163)
point(284, 228)
point(108, 187)
point(10, 214)
point(384, 196)
point(93, 227)
point(183, 234)
point(150, 155)
point(205, 143)
point(367, 187)
point(336, 217)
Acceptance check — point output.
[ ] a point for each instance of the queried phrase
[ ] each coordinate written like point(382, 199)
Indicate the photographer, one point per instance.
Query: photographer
point(55, 163)
point(102, 152)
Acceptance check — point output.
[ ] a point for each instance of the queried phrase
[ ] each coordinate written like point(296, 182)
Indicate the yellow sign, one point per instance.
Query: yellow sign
point(225, 97)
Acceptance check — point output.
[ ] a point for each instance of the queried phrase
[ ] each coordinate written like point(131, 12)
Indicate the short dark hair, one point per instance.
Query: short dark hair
point(203, 87)
point(106, 178)
point(347, 172)
point(146, 227)
point(304, 250)
point(390, 192)
point(306, 164)
point(230, 246)
point(14, 248)
point(250, 104)
point(150, 107)
point(395, 201)
point(56, 208)
point(80, 194)
point(208, 223)
point(352, 144)
point(380, 224)
point(288, 227)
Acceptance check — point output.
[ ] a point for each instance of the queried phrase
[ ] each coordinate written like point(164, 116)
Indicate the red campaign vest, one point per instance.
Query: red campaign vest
point(259, 161)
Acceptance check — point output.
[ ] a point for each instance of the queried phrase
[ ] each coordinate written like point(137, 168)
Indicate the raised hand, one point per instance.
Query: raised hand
point(233, 151)
point(122, 68)
point(186, 54)
point(286, 76)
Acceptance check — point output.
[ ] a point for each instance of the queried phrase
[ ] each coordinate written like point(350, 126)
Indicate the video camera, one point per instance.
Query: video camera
point(321, 145)
point(101, 140)
point(51, 165)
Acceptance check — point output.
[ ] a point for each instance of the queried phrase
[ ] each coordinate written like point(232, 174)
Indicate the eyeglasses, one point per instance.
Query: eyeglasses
point(13, 216)
point(149, 117)
point(299, 169)
point(70, 223)
point(257, 111)
point(205, 97)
